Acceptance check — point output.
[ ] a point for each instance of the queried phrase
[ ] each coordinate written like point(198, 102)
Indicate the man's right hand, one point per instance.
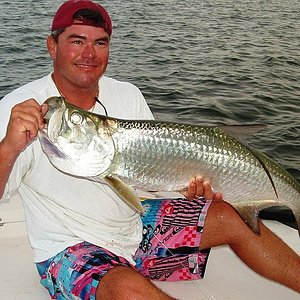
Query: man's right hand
point(26, 120)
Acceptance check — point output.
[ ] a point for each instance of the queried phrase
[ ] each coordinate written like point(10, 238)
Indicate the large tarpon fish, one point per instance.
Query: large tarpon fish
point(163, 156)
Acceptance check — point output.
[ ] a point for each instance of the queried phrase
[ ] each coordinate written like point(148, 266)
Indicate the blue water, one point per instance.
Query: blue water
point(205, 62)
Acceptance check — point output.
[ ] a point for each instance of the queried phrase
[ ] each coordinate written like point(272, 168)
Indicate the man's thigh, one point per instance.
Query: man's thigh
point(77, 271)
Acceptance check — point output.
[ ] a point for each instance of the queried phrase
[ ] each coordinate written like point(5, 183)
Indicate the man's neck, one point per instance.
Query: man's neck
point(82, 97)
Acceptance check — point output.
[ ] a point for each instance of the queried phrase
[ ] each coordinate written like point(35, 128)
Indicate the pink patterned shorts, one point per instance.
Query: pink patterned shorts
point(169, 251)
point(172, 230)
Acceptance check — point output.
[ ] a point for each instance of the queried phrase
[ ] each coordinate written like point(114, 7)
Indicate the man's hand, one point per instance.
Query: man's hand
point(198, 187)
point(25, 121)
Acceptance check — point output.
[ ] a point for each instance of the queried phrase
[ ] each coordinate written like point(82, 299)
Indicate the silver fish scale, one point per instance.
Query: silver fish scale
point(164, 156)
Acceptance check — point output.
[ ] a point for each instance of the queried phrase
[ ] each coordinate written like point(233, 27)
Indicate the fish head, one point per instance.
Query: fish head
point(53, 103)
point(76, 141)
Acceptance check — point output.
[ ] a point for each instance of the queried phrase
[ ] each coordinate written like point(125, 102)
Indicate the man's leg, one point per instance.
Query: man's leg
point(125, 283)
point(76, 272)
point(266, 254)
point(169, 224)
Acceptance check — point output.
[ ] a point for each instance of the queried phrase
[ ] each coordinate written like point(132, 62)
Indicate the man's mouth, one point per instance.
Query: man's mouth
point(86, 66)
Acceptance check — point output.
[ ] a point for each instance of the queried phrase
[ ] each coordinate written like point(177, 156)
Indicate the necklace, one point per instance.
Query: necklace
point(98, 101)
point(96, 98)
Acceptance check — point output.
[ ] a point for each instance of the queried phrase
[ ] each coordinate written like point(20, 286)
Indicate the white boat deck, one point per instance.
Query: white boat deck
point(226, 277)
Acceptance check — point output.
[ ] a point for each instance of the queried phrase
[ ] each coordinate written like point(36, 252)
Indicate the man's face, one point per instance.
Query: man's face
point(80, 56)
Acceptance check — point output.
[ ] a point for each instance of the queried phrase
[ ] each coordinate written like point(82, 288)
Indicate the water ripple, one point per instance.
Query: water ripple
point(204, 62)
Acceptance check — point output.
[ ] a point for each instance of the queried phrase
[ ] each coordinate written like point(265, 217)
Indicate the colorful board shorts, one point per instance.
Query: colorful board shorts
point(169, 251)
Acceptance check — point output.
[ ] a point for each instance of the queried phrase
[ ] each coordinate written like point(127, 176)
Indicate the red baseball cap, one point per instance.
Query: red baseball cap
point(64, 15)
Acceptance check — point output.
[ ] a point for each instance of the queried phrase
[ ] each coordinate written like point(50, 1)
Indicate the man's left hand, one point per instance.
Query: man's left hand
point(198, 187)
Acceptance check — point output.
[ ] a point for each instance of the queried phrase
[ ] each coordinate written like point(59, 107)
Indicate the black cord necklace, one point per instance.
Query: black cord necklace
point(96, 97)
point(98, 101)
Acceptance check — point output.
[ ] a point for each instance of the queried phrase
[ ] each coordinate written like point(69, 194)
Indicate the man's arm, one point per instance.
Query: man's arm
point(7, 160)
point(25, 121)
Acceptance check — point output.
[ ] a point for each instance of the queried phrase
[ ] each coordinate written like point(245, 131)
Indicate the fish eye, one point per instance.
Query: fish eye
point(76, 118)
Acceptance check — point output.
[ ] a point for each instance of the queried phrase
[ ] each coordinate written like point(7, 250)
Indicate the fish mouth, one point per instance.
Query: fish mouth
point(55, 124)
point(54, 103)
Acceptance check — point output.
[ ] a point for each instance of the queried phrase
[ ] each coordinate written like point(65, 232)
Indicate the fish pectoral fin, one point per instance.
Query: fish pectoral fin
point(126, 192)
point(250, 216)
point(49, 147)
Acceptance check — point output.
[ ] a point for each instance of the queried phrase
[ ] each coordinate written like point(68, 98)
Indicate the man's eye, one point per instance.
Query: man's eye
point(102, 43)
point(77, 42)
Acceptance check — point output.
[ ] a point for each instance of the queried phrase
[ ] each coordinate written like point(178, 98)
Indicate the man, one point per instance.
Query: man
point(87, 242)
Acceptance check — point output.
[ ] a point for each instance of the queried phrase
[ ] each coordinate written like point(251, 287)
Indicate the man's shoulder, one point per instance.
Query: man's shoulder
point(34, 89)
point(112, 82)
point(35, 85)
point(123, 99)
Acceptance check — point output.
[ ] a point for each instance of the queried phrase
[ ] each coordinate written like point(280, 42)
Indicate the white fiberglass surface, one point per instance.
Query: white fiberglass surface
point(226, 277)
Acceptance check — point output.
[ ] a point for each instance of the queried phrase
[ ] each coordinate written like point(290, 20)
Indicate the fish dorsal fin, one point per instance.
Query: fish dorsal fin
point(126, 192)
point(242, 131)
point(239, 132)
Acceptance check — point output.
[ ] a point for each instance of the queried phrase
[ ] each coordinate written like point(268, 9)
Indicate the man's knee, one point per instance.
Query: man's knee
point(125, 283)
point(113, 283)
point(222, 225)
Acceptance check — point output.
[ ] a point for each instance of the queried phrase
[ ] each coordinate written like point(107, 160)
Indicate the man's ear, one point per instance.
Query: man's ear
point(51, 46)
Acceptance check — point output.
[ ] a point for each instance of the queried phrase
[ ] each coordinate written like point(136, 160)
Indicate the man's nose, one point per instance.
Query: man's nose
point(88, 51)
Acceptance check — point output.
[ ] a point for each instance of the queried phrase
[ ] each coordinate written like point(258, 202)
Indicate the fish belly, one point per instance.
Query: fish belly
point(166, 159)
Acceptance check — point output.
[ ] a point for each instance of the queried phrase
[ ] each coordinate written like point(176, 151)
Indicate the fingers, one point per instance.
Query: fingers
point(44, 109)
point(191, 188)
point(30, 111)
point(208, 191)
point(217, 197)
point(195, 188)
point(25, 121)
point(198, 187)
